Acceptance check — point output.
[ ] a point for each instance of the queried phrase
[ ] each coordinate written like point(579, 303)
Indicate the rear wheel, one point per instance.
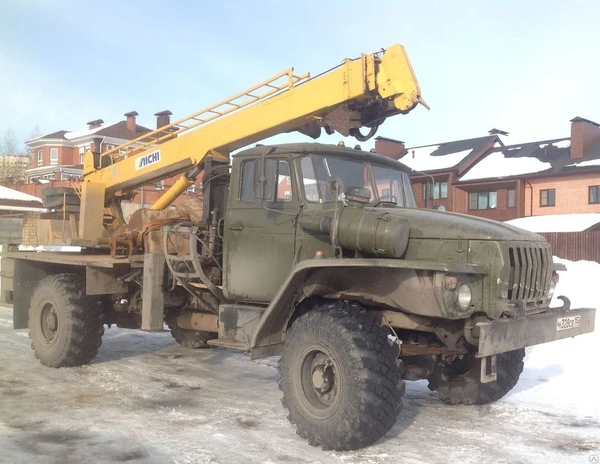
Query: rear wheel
point(65, 325)
point(459, 382)
point(340, 377)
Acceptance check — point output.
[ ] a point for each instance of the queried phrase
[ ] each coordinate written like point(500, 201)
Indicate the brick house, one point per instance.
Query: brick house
point(486, 178)
point(58, 157)
point(438, 166)
point(557, 176)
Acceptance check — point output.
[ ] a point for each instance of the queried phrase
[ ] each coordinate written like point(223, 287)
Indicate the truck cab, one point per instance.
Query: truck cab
point(263, 220)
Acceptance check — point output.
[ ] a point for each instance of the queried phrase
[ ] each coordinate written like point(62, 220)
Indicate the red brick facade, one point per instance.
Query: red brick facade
point(571, 194)
point(565, 189)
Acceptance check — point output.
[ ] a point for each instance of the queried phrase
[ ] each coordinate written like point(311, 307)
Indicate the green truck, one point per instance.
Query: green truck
point(317, 254)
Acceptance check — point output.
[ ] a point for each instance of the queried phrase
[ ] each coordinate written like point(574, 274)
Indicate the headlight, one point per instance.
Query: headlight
point(463, 297)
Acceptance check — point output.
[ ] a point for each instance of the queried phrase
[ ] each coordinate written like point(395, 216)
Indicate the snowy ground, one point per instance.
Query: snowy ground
point(146, 400)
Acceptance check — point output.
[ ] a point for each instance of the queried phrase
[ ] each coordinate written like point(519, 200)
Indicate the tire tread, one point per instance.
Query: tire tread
point(375, 369)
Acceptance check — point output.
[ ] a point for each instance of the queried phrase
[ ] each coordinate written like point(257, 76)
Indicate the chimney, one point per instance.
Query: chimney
point(131, 120)
point(95, 123)
point(394, 149)
point(495, 131)
point(96, 145)
point(163, 118)
point(584, 135)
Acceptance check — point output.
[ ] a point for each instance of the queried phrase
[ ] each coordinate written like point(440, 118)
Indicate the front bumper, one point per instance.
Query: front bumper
point(504, 335)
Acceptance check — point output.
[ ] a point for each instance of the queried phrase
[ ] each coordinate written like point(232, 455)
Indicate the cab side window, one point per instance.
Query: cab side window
point(277, 186)
point(247, 187)
point(283, 189)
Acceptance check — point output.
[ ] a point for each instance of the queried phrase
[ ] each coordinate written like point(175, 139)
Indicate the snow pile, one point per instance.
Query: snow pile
point(421, 158)
point(11, 194)
point(557, 222)
point(565, 143)
point(582, 164)
point(83, 133)
point(498, 165)
point(565, 374)
point(54, 248)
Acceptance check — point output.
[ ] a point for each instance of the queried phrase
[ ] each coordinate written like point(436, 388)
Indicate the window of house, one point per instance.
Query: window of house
point(81, 154)
point(483, 200)
point(32, 179)
point(48, 176)
point(54, 156)
point(548, 197)
point(510, 198)
point(594, 194)
point(160, 185)
point(40, 158)
point(108, 147)
point(440, 190)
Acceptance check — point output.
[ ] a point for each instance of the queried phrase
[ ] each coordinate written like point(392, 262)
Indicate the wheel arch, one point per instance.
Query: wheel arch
point(27, 274)
point(323, 279)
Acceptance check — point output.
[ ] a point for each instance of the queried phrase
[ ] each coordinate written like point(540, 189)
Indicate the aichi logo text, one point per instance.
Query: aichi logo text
point(147, 160)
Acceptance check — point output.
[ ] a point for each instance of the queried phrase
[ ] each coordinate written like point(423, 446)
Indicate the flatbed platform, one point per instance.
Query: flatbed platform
point(76, 258)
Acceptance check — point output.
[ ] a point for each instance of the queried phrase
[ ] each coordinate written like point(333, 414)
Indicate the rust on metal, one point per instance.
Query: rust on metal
point(199, 321)
point(424, 350)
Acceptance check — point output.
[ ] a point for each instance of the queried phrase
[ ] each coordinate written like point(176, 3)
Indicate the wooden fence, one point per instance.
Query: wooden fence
point(575, 246)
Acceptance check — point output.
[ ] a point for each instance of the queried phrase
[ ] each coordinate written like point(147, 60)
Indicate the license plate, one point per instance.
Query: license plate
point(566, 323)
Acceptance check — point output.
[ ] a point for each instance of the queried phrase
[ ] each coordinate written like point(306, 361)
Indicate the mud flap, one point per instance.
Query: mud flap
point(489, 372)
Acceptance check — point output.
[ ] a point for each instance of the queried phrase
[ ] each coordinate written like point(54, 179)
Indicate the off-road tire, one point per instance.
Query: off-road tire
point(78, 318)
point(191, 338)
point(369, 386)
point(466, 388)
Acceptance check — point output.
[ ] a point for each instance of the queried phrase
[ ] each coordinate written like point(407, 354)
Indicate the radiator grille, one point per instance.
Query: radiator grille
point(530, 272)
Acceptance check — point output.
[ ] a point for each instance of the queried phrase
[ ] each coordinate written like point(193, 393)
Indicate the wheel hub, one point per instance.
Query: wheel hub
point(322, 378)
point(49, 322)
point(52, 320)
point(319, 381)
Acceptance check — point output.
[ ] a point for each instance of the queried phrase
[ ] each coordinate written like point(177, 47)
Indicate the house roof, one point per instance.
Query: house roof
point(114, 129)
point(557, 222)
point(13, 200)
point(532, 158)
point(56, 135)
point(14, 195)
point(448, 155)
point(120, 131)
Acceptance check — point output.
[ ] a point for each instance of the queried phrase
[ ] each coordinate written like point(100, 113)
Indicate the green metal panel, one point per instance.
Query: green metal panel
point(259, 243)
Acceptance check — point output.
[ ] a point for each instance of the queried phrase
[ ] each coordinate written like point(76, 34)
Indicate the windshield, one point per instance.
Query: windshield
point(384, 182)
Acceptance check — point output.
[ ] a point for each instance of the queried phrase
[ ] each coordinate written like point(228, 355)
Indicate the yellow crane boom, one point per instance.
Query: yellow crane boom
point(359, 92)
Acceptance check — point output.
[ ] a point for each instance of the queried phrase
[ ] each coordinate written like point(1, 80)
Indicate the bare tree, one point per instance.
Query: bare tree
point(9, 144)
point(35, 132)
point(14, 160)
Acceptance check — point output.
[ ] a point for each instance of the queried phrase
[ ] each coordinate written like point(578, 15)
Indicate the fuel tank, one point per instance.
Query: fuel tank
point(372, 232)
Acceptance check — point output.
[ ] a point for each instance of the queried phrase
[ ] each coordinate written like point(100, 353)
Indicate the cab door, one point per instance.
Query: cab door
point(259, 235)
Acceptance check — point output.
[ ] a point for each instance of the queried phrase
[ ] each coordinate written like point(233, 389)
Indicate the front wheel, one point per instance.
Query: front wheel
point(459, 382)
point(340, 377)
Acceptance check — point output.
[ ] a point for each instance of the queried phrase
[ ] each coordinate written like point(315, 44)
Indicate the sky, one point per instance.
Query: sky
point(523, 67)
